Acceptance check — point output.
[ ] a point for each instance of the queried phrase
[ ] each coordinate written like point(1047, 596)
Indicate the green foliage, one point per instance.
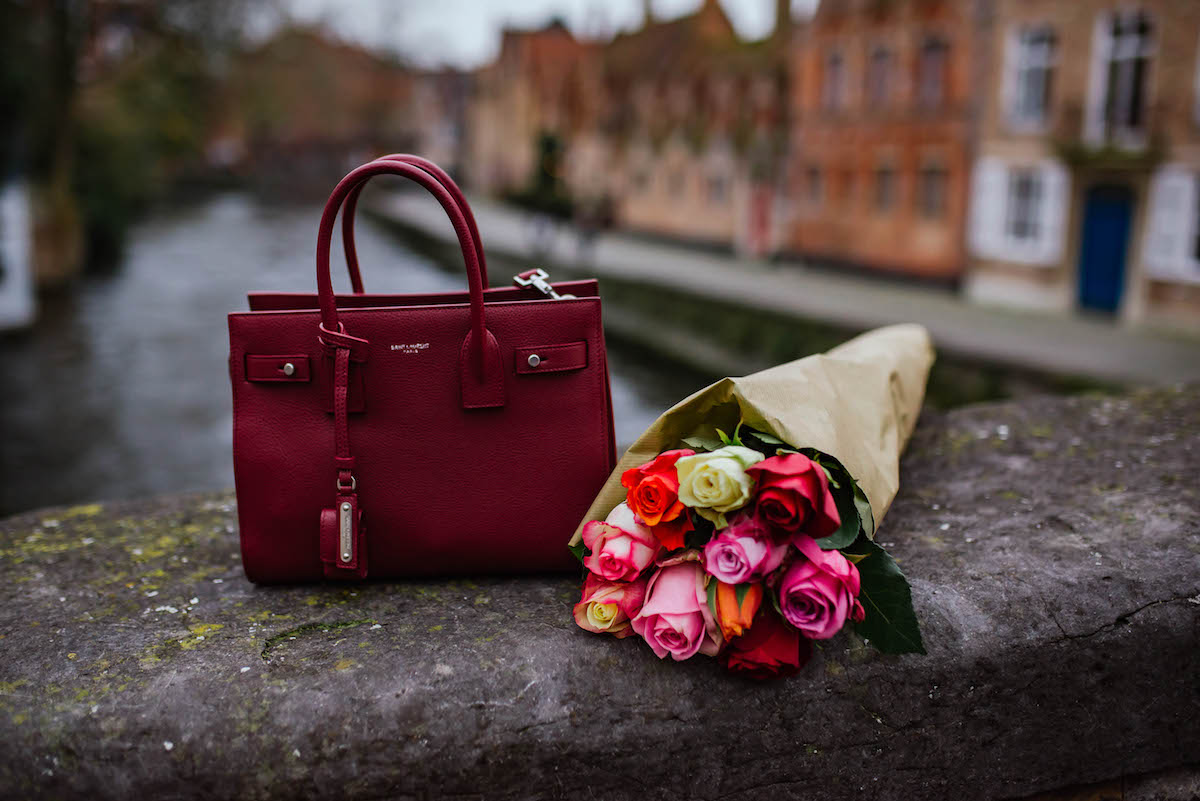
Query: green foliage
point(890, 624)
point(578, 550)
point(546, 191)
point(848, 531)
point(135, 132)
point(16, 90)
point(865, 516)
point(702, 444)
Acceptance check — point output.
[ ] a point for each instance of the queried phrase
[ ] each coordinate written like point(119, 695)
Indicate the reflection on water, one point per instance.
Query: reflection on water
point(121, 389)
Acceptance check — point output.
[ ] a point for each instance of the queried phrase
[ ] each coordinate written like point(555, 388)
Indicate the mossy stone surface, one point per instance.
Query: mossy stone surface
point(1053, 546)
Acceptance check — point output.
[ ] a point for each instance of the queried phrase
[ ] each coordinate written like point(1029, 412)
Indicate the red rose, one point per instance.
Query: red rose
point(653, 495)
point(794, 496)
point(770, 649)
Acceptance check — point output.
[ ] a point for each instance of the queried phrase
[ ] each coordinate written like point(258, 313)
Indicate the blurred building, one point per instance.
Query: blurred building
point(676, 128)
point(534, 87)
point(696, 122)
point(883, 97)
point(302, 106)
point(1042, 153)
point(1085, 190)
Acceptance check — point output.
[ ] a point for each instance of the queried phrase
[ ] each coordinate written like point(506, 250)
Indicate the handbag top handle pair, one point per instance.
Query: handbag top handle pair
point(467, 433)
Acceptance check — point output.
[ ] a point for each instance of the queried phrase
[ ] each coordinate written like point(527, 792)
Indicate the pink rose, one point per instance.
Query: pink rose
point(743, 552)
point(607, 606)
point(794, 496)
point(621, 547)
point(675, 618)
point(818, 593)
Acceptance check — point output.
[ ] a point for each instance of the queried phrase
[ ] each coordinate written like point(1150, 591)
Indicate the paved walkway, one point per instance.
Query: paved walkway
point(1056, 343)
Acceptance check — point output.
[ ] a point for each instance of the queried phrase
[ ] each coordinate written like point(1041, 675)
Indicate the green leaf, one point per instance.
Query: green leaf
point(579, 550)
point(764, 443)
point(773, 594)
point(855, 557)
point(764, 438)
point(701, 444)
point(740, 592)
point(737, 434)
point(890, 624)
point(725, 440)
point(833, 482)
point(712, 595)
point(847, 532)
point(865, 515)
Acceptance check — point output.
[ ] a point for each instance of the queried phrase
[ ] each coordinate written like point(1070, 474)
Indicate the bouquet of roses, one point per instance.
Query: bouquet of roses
point(741, 524)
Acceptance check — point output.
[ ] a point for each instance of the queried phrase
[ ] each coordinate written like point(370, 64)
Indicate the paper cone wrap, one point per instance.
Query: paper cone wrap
point(858, 403)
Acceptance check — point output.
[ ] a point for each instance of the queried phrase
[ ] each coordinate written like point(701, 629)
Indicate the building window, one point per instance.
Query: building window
point(812, 180)
point(834, 87)
point(675, 183)
point(1023, 220)
point(1196, 90)
point(1127, 71)
point(718, 190)
point(1196, 227)
point(1033, 76)
point(931, 72)
point(931, 192)
point(879, 74)
point(885, 188)
point(848, 188)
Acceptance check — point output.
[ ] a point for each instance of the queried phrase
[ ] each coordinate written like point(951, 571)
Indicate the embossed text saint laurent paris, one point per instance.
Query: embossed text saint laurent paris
point(411, 347)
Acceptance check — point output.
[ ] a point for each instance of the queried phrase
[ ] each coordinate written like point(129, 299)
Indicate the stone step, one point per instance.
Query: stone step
point(1053, 546)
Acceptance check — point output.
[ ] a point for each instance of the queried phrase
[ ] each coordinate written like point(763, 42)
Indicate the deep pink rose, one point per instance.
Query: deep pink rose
point(607, 606)
point(621, 547)
point(794, 496)
point(817, 593)
point(743, 552)
point(675, 619)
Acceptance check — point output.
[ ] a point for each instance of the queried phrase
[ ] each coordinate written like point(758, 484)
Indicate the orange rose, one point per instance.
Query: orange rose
point(653, 495)
point(734, 617)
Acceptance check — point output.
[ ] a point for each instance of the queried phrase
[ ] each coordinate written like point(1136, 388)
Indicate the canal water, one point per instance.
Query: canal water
point(121, 389)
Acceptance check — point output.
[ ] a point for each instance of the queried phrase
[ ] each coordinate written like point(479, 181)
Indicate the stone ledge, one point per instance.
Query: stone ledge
point(1052, 544)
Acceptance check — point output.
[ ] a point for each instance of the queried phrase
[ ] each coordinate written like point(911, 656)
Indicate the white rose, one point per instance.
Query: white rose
point(716, 482)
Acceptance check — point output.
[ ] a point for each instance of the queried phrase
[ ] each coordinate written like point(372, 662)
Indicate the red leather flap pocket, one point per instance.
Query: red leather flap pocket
point(277, 368)
point(552, 358)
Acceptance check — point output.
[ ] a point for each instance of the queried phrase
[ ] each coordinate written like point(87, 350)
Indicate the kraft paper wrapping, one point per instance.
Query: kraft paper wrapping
point(858, 403)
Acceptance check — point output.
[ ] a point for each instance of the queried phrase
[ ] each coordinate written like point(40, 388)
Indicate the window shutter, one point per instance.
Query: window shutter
point(1196, 90)
point(1008, 78)
point(989, 191)
point(1171, 223)
point(1055, 208)
point(1093, 124)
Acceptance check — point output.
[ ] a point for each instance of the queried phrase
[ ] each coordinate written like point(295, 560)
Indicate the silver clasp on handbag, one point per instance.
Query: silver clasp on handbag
point(539, 279)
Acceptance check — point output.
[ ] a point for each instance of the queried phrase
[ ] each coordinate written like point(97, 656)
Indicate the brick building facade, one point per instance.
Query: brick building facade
point(1085, 188)
point(883, 100)
point(677, 126)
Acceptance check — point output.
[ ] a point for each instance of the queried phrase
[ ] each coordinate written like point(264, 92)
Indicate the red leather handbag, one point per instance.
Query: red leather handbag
point(416, 435)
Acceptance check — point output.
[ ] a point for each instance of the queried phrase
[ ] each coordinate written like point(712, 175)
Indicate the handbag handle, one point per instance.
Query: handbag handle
point(444, 179)
point(480, 370)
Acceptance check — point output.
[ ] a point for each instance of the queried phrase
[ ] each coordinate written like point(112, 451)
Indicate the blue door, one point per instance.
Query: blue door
point(1107, 213)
